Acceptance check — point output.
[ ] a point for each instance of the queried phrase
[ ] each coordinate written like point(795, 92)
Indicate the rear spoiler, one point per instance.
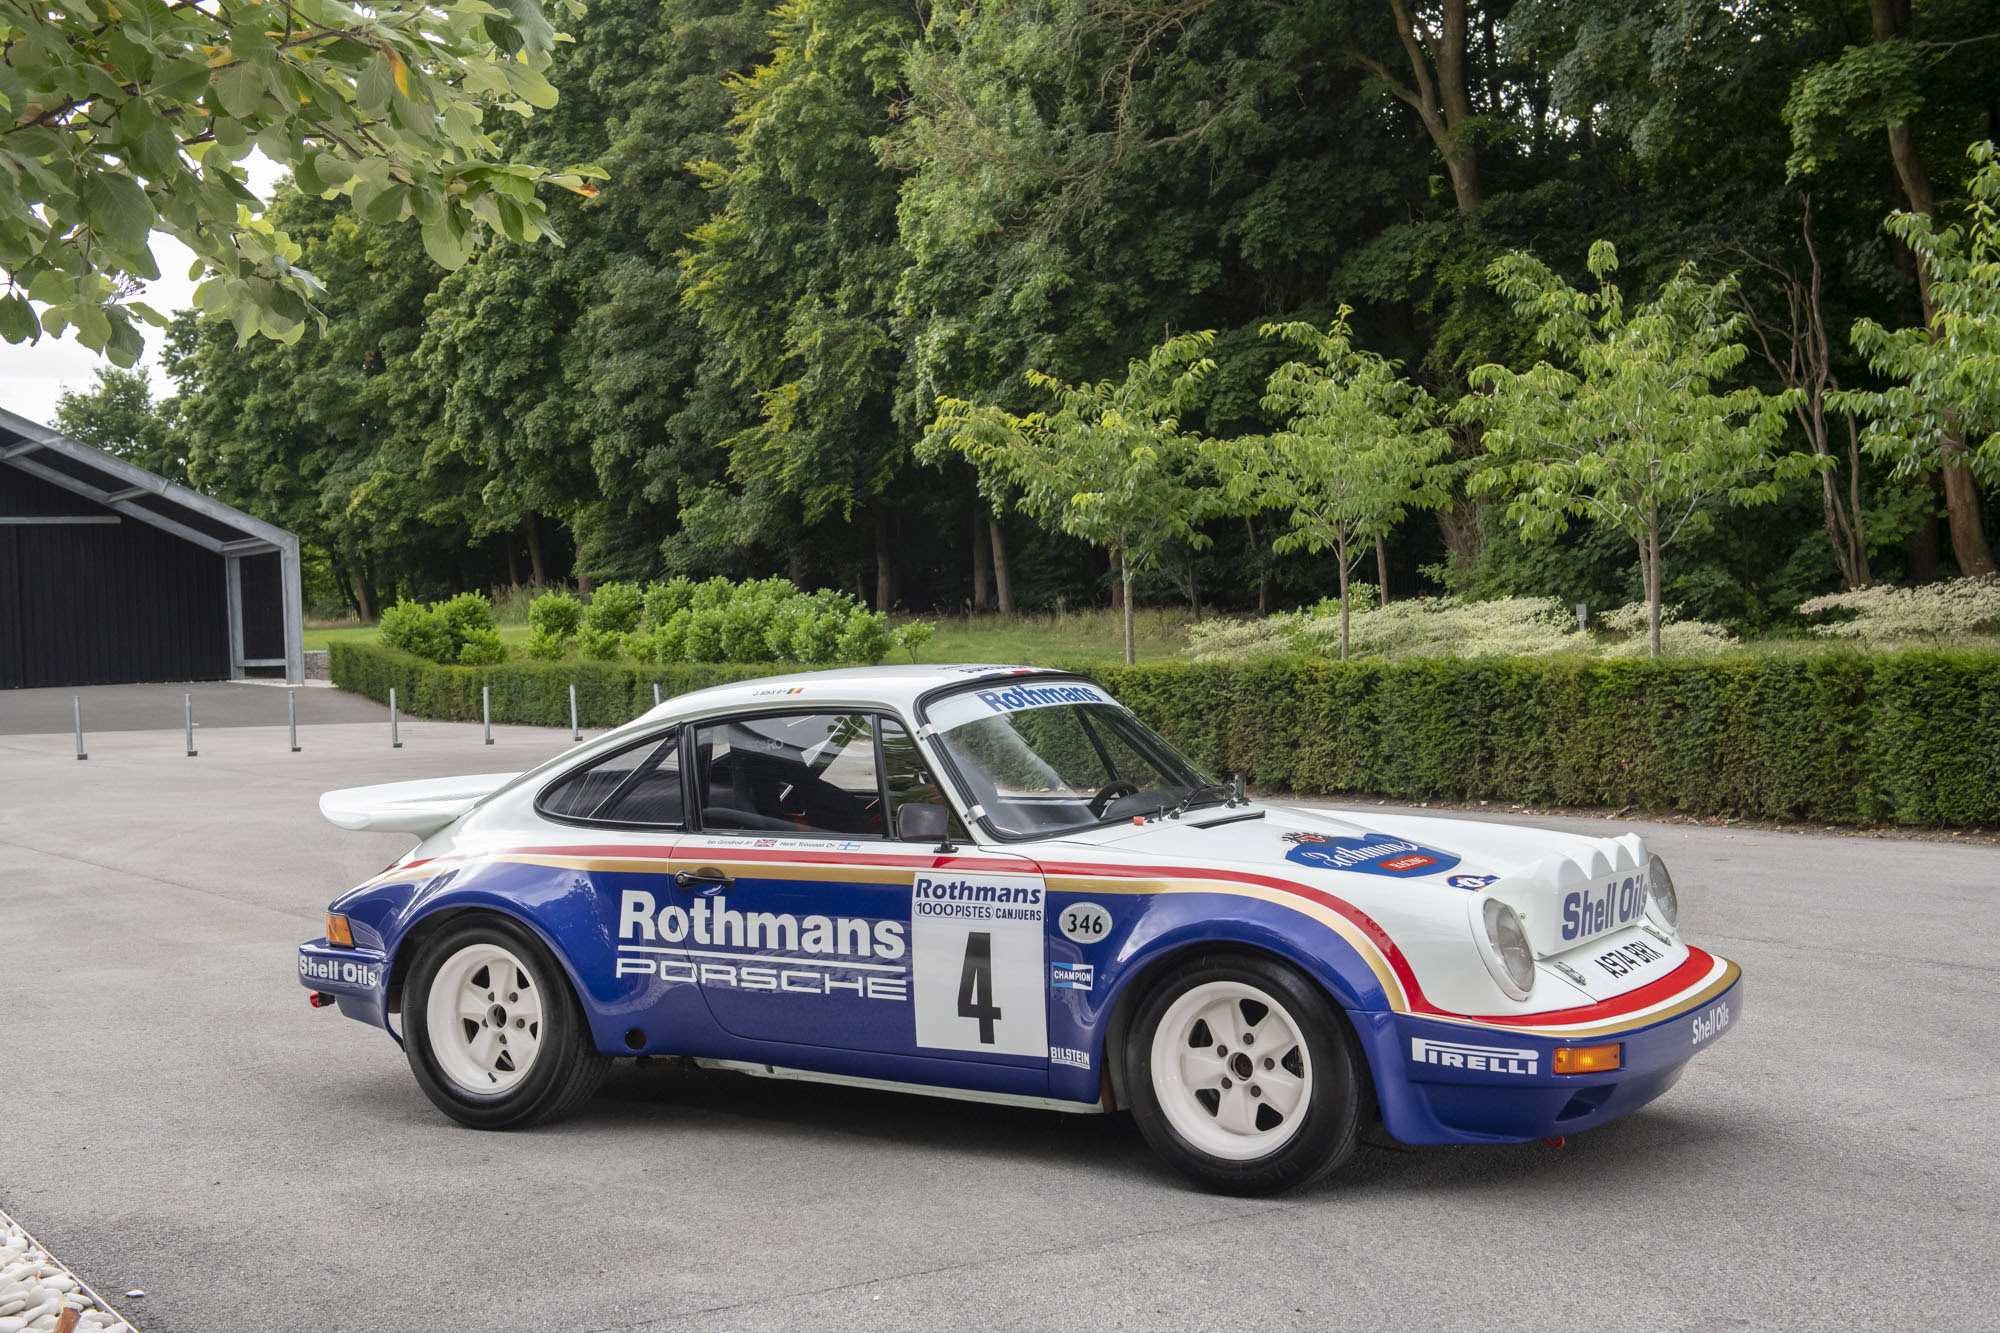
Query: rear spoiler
point(421, 807)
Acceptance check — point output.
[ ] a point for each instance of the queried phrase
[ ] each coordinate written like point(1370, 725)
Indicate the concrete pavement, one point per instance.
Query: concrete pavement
point(173, 1117)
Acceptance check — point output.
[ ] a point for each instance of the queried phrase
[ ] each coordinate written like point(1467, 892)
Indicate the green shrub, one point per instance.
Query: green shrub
point(1836, 737)
point(614, 608)
point(544, 646)
point(600, 645)
point(912, 637)
point(701, 639)
point(1884, 615)
point(465, 614)
point(642, 646)
point(419, 630)
point(482, 647)
point(712, 595)
point(664, 601)
point(555, 614)
point(864, 638)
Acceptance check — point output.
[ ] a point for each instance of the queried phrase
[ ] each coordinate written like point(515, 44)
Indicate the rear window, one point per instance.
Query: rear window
point(638, 785)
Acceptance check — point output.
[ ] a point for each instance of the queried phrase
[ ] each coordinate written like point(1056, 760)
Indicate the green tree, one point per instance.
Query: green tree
point(118, 415)
point(1947, 373)
point(1360, 450)
point(1110, 464)
point(795, 275)
point(1636, 435)
point(1904, 80)
point(133, 120)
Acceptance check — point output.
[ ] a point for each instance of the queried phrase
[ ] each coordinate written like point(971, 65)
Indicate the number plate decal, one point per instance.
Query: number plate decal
point(1086, 923)
point(976, 944)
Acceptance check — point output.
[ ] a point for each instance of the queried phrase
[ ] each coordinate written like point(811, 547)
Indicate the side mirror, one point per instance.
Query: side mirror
point(922, 823)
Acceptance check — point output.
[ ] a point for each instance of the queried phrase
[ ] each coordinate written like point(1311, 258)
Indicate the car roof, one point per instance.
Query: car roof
point(897, 687)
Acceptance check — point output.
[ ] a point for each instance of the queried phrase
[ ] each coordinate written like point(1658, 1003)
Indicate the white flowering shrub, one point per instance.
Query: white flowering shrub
point(1887, 615)
point(1678, 638)
point(1445, 627)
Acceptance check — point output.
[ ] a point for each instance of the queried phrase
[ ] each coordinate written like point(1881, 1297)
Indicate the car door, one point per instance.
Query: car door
point(811, 924)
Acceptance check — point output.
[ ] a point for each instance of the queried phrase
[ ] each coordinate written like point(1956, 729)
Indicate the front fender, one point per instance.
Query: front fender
point(1173, 923)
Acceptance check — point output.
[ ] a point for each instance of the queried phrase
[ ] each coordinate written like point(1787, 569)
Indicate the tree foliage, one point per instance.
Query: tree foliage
point(1359, 450)
point(125, 119)
point(1110, 464)
point(1635, 432)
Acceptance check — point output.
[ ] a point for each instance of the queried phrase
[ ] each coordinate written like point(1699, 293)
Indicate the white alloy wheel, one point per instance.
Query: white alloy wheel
point(1231, 1070)
point(484, 1019)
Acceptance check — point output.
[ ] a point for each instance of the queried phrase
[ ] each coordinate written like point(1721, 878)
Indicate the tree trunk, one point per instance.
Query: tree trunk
point(584, 583)
point(1649, 574)
point(982, 564)
point(537, 568)
point(1194, 589)
point(1125, 585)
point(1003, 579)
point(885, 563)
point(1458, 524)
point(357, 580)
point(1890, 19)
point(1382, 570)
point(1340, 549)
point(1437, 92)
point(513, 562)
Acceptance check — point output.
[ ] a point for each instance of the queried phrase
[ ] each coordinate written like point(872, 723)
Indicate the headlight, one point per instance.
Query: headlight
point(1509, 958)
point(1660, 885)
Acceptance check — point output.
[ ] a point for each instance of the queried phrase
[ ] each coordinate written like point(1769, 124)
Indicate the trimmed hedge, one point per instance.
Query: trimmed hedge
point(1836, 737)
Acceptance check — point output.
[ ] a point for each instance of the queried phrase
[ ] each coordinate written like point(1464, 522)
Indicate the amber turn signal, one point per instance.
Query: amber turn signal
point(338, 933)
point(1589, 1059)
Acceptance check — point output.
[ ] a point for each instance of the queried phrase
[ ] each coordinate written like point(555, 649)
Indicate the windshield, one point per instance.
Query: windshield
point(1051, 758)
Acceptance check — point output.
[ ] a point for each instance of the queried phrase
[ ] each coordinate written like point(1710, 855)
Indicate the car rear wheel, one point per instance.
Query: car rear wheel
point(494, 1034)
point(1243, 1075)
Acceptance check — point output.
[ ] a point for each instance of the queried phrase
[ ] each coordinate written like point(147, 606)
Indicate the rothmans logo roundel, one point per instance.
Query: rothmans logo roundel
point(1369, 854)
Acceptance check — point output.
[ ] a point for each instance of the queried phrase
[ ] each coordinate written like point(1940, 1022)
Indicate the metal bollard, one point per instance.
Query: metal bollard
point(656, 694)
point(292, 716)
point(486, 710)
point(187, 703)
point(395, 739)
point(77, 699)
point(574, 734)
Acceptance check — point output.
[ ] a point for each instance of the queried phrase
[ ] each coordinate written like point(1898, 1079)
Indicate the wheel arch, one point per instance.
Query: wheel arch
point(442, 916)
point(1146, 974)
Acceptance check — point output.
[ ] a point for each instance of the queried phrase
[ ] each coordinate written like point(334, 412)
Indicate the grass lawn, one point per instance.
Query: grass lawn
point(1090, 637)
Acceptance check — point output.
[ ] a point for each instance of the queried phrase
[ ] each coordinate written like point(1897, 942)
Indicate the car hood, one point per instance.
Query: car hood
point(1422, 879)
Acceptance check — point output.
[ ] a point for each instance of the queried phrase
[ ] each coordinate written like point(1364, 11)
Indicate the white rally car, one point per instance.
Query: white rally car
point(997, 883)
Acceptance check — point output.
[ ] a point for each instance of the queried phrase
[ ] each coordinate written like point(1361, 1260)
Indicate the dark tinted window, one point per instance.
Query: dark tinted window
point(907, 776)
point(791, 773)
point(637, 785)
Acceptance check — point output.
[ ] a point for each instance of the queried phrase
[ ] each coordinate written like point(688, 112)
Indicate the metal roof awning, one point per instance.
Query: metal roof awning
point(131, 491)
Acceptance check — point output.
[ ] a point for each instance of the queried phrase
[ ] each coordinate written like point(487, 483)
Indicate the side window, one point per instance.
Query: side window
point(908, 778)
point(790, 773)
point(640, 784)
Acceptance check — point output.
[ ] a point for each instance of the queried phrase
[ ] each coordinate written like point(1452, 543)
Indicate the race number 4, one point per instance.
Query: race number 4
point(977, 958)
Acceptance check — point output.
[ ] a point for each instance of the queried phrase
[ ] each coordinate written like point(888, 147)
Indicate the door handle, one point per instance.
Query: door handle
point(703, 875)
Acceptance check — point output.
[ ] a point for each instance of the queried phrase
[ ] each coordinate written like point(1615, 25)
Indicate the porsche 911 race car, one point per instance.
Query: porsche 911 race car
point(996, 883)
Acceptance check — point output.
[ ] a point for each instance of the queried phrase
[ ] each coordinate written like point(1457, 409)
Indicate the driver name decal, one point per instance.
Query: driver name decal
point(1369, 854)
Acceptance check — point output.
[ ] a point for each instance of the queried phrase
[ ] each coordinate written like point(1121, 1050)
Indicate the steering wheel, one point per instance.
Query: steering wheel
point(1110, 792)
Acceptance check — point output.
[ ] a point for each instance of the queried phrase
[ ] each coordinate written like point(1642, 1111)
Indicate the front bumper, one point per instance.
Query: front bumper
point(357, 978)
point(1439, 1081)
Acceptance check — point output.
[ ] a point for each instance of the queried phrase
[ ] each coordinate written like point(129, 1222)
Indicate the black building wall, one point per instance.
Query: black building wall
point(103, 603)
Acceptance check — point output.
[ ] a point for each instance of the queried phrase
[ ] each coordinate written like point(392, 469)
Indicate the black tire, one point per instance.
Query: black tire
point(567, 1068)
point(1336, 1091)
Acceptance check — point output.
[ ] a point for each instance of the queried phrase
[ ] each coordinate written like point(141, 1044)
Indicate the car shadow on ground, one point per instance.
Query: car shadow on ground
point(658, 1095)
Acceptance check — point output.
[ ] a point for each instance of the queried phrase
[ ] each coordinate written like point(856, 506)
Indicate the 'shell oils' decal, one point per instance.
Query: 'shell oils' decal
point(1369, 854)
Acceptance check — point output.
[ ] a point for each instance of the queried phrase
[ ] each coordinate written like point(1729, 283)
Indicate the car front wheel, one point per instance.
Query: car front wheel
point(494, 1034)
point(1243, 1075)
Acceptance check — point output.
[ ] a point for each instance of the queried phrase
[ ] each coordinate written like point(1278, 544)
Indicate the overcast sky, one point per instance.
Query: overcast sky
point(33, 377)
